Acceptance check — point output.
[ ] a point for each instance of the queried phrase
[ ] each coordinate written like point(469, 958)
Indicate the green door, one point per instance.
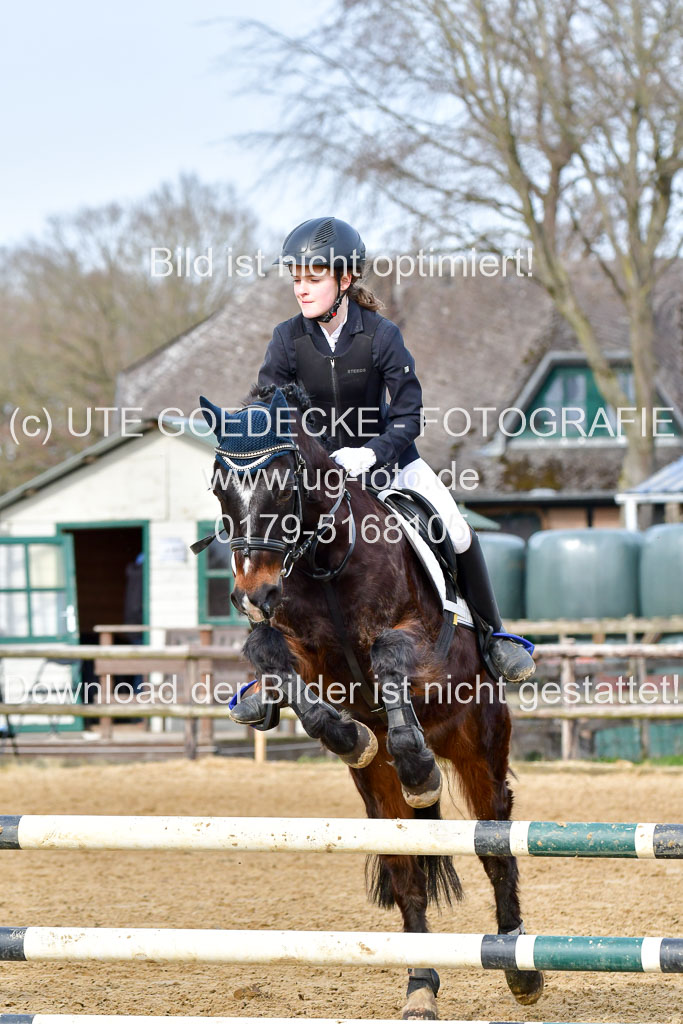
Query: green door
point(38, 606)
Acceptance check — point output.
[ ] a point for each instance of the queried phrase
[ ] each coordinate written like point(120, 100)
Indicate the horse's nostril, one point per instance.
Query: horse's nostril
point(267, 598)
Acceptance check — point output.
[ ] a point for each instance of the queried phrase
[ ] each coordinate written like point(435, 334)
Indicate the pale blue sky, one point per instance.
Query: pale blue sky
point(104, 101)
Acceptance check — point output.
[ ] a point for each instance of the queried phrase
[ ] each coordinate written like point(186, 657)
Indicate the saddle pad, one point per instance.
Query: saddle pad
point(429, 563)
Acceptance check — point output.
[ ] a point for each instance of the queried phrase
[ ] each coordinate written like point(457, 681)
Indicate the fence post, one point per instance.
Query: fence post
point(644, 725)
point(568, 726)
point(106, 724)
point(259, 746)
point(191, 724)
point(207, 676)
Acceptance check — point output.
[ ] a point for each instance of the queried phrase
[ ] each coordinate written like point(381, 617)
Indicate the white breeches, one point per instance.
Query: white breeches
point(419, 476)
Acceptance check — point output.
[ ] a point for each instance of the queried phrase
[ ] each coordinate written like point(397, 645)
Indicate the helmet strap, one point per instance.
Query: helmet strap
point(334, 308)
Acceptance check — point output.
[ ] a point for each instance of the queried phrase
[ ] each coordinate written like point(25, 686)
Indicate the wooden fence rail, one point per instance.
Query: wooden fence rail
point(197, 659)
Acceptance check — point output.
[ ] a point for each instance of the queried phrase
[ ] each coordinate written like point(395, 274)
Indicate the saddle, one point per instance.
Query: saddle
point(425, 531)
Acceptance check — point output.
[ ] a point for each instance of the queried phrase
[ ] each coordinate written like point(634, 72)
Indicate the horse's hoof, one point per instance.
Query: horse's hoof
point(526, 986)
point(364, 750)
point(427, 793)
point(421, 1005)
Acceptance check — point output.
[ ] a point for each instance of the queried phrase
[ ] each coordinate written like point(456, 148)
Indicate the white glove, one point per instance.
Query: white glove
point(355, 460)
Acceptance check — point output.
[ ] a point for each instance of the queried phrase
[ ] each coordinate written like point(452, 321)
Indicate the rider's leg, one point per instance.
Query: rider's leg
point(419, 476)
point(509, 658)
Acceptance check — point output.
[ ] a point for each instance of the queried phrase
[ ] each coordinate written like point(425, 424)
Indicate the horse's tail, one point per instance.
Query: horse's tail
point(443, 884)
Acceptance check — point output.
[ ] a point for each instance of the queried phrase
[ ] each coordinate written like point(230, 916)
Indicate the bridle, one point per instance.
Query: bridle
point(292, 551)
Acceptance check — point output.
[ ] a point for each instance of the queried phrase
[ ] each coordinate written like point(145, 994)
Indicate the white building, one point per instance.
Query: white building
point(104, 538)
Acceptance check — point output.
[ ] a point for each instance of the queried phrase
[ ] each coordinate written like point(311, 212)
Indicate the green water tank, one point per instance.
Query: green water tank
point(505, 557)
point(661, 571)
point(582, 574)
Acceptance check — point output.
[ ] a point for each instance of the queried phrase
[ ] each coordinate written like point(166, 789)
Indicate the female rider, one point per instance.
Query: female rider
point(345, 354)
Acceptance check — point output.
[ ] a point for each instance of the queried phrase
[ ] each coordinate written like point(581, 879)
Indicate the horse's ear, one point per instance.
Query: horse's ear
point(278, 401)
point(213, 415)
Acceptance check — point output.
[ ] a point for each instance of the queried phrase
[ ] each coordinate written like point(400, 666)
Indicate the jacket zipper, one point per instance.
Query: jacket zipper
point(335, 392)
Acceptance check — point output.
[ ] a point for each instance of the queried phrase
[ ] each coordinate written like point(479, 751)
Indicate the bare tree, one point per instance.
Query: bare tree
point(555, 123)
point(80, 302)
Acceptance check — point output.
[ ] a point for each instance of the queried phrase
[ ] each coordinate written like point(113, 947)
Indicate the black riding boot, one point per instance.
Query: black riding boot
point(252, 709)
point(510, 659)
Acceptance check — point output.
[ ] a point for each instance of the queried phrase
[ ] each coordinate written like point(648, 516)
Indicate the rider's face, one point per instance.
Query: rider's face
point(316, 289)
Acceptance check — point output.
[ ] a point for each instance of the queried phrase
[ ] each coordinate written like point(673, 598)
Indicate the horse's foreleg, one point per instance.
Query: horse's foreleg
point(393, 660)
point(266, 648)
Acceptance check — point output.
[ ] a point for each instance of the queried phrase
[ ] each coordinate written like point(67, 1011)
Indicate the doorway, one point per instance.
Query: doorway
point(111, 569)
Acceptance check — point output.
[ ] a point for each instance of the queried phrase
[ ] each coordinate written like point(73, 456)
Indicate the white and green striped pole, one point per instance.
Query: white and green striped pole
point(343, 835)
point(371, 949)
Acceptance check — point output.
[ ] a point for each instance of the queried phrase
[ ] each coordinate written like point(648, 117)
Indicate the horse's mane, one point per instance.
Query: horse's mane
point(298, 399)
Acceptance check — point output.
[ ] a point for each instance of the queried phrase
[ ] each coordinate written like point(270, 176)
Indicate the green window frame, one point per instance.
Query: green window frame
point(37, 590)
point(571, 386)
point(215, 582)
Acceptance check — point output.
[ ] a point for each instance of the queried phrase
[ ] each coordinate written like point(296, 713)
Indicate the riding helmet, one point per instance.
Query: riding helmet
point(330, 242)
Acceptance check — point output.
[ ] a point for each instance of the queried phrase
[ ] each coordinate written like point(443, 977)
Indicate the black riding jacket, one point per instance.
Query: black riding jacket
point(348, 384)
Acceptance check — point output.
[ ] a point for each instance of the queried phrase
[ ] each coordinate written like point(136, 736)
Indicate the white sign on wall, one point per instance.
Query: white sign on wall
point(171, 549)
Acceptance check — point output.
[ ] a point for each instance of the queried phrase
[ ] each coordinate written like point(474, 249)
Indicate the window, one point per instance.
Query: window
point(215, 582)
point(34, 590)
point(569, 404)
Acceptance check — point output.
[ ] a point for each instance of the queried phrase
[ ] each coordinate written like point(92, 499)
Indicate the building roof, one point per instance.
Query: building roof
point(96, 451)
point(666, 481)
point(476, 341)
point(478, 521)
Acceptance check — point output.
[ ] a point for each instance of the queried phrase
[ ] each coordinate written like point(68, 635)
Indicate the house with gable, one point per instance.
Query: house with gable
point(497, 365)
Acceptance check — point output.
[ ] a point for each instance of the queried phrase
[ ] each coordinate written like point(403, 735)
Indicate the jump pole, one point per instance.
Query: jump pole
point(96, 1018)
point(342, 835)
point(343, 949)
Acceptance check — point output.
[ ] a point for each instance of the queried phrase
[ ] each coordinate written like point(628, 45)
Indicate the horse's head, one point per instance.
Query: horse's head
point(262, 456)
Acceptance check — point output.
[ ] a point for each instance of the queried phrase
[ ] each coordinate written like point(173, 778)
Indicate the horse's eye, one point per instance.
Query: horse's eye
point(285, 495)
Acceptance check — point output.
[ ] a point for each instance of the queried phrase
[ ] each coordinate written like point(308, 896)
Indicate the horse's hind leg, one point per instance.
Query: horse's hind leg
point(403, 881)
point(266, 648)
point(479, 752)
point(393, 658)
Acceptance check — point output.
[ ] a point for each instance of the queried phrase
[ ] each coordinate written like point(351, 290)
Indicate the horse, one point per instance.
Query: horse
point(387, 622)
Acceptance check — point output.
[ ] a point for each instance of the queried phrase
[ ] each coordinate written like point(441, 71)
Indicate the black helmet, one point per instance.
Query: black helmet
point(325, 242)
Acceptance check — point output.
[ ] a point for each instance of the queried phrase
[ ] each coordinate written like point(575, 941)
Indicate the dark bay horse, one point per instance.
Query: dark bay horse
point(392, 619)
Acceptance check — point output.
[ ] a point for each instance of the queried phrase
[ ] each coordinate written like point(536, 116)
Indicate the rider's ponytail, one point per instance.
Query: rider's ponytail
point(363, 296)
